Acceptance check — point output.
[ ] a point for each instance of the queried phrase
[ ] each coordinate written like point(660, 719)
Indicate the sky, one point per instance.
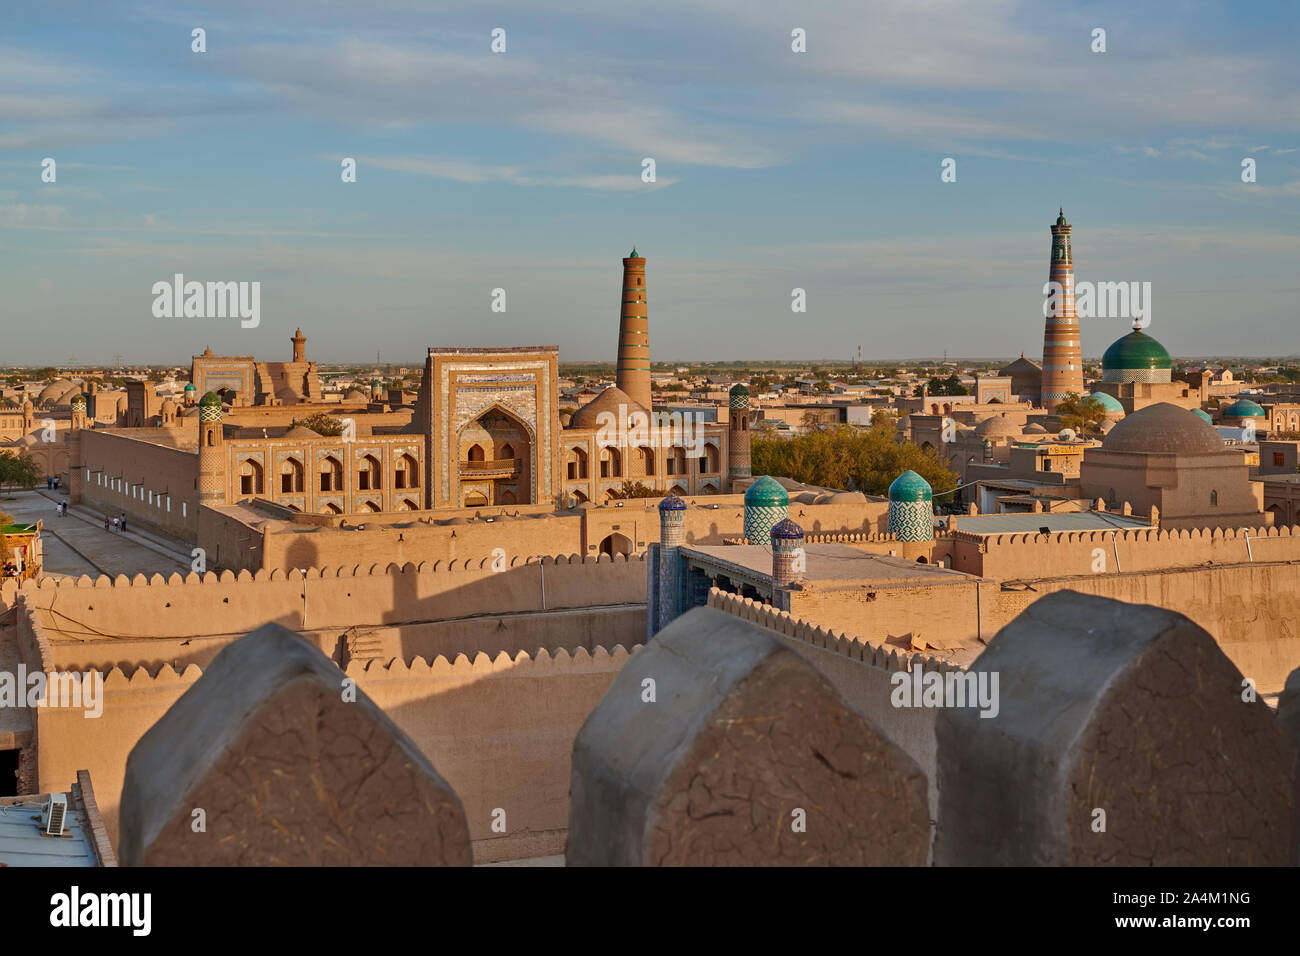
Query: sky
point(522, 170)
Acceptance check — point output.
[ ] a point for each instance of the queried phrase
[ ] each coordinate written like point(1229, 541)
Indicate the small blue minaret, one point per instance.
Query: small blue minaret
point(664, 567)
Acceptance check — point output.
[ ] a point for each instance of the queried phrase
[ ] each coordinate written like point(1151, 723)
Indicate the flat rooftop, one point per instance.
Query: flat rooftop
point(826, 564)
point(23, 844)
point(1052, 521)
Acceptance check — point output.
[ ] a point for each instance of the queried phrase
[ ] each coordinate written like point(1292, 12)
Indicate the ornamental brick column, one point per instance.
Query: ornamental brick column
point(212, 451)
point(738, 460)
point(634, 334)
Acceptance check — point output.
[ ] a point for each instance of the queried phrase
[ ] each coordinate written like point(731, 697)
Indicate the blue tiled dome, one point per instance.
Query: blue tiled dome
point(909, 486)
point(672, 503)
point(767, 492)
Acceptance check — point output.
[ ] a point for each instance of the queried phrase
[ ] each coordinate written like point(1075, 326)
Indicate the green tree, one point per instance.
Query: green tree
point(20, 470)
point(321, 424)
point(1083, 413)
point(854, 459)
point(635, 489)
point(943, 386)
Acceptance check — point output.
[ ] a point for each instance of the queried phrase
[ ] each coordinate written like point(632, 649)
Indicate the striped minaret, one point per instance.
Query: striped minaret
point(634, 334)
point(1062, 354)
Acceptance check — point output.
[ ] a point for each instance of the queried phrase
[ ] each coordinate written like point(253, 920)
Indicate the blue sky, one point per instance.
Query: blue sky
point(522, 171)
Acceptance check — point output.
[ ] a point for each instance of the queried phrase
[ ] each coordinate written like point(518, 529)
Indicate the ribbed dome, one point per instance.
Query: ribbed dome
point(766, 493)
point(300, 431)
point(999, 426)
point(1137, 357)
point(210, 400)
point(1035, 429)
point(909, 486)
point(1243, 408)
point(56, 390)
point(614, 401)
point(355, 395)
point(1204, 416)
point(1163, 428)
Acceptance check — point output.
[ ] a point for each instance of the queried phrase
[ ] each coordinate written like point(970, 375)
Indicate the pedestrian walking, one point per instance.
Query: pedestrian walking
point(124, 521)
point(49, 482)
point(106, 528)
point(114, 524)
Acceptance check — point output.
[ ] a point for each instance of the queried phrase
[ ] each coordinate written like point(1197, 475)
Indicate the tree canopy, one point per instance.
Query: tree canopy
point(849, 458)
point(20, 470)
point(1083, 413)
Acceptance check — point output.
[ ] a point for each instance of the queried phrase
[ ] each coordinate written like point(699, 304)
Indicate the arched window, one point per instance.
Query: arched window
point(406, 473)
point(331, 474)
point(1214, 498)
point(370, 506)
point(291, 472)
point(250, 478)
point(507, 452)
point(476, 453)
point(369, 477)
point(676, 461)
point(647, 461)
point(611, 463)
point(577, 464)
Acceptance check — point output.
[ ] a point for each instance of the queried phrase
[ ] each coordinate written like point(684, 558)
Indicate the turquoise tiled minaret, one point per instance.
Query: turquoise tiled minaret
point(911, 508)
point(766, 504)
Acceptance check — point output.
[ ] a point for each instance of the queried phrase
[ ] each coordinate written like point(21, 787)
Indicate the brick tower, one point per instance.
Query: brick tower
point(1062, 354)
point(738, 457)
point(634, 334)
point(76, 470)
point(212, 452)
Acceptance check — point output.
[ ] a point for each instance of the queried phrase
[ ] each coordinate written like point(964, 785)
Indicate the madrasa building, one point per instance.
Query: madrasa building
point(484, 430)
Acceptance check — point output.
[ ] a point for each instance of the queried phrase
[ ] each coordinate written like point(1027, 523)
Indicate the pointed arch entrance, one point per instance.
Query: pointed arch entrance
point(494, 460)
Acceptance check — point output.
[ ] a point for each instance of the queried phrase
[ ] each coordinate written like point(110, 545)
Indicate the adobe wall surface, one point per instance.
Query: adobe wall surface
point(157, 482)
point(1017, 556)
point(942, 614)
point(232, 543)
point(1249, 609)
point(327, 598)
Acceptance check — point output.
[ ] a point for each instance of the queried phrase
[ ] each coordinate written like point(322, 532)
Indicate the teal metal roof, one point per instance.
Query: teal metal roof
point(22, 844)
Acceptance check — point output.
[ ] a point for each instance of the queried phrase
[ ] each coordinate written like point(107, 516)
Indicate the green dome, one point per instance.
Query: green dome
point(189, 387)
point(738, 389)
point(79, 401)
point(909, 486)
point(1108, 402)
point(1060, 220)
point(210, 400)
point(767, 493)
point(1243, 408)
point(635, 255)
point(1134, 353)
point(1203, 415)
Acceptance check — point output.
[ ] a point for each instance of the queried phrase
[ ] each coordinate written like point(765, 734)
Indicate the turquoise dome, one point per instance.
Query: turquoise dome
point(189, 387)
point(767, 493)
point(909, 486)
point(1243, 408)
point(1203, 415)
point(1108, 402)
point(634, 254)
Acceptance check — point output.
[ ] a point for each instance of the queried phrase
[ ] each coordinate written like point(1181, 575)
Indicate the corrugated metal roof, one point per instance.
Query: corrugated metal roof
point(1029, 523)
point(23, 844)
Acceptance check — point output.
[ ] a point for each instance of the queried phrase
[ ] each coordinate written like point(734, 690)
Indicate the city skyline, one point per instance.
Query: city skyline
point(522, 170)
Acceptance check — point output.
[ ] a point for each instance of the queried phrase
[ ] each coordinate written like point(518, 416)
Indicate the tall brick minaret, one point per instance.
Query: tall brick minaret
point(1062, 354)
point(634, 334)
